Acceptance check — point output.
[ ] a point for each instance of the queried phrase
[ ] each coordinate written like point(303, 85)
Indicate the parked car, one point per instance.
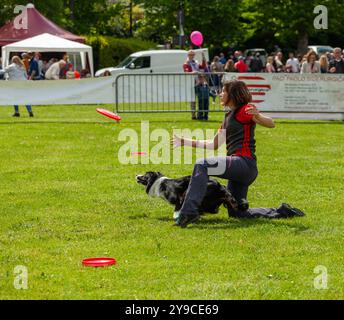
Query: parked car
point(320, 50)
point(262, 52)
point(153, 61)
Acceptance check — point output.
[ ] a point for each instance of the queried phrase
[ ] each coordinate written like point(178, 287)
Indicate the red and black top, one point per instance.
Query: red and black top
point(240, 131)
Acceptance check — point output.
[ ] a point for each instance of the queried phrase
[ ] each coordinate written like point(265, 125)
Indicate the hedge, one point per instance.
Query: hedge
point(109, 52)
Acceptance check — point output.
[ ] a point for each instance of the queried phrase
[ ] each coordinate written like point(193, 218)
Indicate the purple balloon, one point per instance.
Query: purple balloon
point(197, 38)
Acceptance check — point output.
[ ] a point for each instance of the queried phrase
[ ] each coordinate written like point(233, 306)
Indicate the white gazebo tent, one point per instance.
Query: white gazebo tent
point(49, 43)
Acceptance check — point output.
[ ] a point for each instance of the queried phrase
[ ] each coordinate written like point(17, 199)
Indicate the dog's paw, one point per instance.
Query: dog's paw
point(176, 215)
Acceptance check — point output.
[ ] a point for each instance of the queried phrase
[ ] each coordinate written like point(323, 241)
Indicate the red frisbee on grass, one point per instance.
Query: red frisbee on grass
point(109, 114)
point(99, 262)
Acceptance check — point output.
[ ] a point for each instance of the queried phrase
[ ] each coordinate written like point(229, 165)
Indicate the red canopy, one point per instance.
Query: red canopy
point(37, 24)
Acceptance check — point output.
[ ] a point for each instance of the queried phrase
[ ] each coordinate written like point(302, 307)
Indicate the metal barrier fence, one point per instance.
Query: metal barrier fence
point(172, 92)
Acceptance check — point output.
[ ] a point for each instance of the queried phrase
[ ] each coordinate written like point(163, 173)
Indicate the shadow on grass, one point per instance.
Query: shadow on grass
point(232, 223)
point(138, 217)
point(168, 120)
point(290, 122)
point(310, 122)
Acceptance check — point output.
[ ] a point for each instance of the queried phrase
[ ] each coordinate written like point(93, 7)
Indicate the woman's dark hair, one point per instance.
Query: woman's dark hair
point(309, 54)
point(238, 93)
point(230, 66)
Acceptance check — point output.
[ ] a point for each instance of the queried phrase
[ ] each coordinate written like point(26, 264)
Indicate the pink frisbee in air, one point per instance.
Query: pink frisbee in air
point(109, 114)
point(99, 262)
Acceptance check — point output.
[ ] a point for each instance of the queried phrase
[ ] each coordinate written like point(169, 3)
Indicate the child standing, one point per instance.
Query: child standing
point(203, 93)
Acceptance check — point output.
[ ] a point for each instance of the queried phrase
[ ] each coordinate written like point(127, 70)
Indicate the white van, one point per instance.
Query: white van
point(320, 50)
point(154, 61)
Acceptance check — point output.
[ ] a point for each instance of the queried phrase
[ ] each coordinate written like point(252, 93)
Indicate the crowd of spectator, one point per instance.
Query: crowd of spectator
point(209, 75)
point(30, 66)
point(331, 62)
point(38, 69)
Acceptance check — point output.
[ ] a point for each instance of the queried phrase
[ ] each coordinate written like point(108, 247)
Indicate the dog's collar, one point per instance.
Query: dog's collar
point(154, 191)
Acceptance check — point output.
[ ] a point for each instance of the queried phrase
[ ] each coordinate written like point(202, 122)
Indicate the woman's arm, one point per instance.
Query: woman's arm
point(264, 121)
point(317, 63)
point(258, 118)
point(214, 144)
point(9, 68)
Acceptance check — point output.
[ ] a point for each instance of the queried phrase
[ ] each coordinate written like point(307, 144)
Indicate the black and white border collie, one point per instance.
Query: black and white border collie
point(174, 190)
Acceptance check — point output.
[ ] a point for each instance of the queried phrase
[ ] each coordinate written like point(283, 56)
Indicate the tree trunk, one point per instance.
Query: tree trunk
point(131, 18)
point(302, 45)
point(71, 7)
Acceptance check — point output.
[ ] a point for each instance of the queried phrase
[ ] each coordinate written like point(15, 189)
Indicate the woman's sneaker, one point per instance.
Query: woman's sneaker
point(289, 212)
point(184, 220)
point(16, 115)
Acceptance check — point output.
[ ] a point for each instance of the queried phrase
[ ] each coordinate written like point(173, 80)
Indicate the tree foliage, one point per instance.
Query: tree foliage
point(289, 23)
point(217, 19)
point(240, 23)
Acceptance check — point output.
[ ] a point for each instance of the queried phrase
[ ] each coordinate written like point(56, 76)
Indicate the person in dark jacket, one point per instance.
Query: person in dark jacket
point(337, 64)
point(193, 66)
point(203, 94)
point(256, 64)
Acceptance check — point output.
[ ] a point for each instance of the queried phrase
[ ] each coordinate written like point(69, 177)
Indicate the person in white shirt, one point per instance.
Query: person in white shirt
point(293, 64)
point(48, 64)
point(53, 73)
point(311, 65)
point(279, 66)
point(17, 72)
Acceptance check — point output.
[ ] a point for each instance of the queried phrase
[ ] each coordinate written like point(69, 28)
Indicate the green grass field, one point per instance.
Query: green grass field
point(65, 197)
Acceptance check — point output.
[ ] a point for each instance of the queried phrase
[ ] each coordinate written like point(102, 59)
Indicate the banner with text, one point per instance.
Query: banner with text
point(271, 92)
point(288, 92)
point(55, 92)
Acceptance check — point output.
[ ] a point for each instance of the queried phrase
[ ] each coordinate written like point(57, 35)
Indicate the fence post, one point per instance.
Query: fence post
point(116, 93)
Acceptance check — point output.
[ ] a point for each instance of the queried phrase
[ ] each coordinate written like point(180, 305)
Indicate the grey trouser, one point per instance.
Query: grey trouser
point(241, 172)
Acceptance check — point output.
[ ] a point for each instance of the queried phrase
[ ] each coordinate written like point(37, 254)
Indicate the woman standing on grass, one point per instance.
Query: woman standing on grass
point(240, 164)
point(17, 71)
